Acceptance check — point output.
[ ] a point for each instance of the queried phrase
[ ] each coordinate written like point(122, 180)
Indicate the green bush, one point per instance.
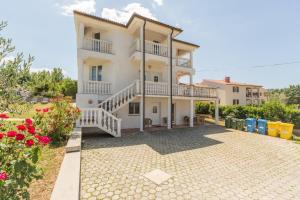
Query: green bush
point(272, 110)
point(57, 121)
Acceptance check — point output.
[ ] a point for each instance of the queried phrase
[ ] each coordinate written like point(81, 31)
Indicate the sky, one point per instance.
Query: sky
point(241, 39)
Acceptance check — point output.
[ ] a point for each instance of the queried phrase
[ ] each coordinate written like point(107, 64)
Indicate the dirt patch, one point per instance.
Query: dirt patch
point(50, 162)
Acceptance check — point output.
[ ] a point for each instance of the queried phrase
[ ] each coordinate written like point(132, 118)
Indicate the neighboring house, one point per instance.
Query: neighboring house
point(234, 93)
point(126, 73)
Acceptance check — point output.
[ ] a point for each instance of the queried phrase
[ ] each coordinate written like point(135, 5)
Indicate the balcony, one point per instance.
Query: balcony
point(183, 62)
point(150, 48)
point(101, 46)
point(96, 87)
point(180, 90)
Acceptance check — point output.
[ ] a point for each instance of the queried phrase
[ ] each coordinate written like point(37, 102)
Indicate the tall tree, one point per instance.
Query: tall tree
point(14, 73)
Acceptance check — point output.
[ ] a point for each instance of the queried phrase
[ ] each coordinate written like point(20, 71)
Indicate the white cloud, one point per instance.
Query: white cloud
point(125, 13)
point(7, 59)
point(88, 6)
point(159, 2)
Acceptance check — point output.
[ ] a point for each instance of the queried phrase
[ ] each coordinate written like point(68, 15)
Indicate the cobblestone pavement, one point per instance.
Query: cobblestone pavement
point(205, 163)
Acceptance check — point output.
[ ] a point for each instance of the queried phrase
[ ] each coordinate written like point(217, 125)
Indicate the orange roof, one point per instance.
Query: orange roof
point(231, 83)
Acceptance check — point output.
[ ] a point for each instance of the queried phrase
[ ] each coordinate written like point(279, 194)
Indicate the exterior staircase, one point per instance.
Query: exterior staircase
point(103, 117)
point(120, 99)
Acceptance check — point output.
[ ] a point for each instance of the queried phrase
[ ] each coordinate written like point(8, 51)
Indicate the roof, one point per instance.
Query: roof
point(135, 15)
point(230, 83)
point(184, 42)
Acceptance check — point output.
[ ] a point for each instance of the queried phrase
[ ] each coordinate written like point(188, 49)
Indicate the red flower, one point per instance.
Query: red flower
point(44, 139)
point(31, 130)
point(29, 143)
point(3, 176)
point(45, 110)
point(3, 116)
point(20, 136)
point(11, 133)
point(38, 110)
point(28, 121)
point(21, 127)
point(1, 135)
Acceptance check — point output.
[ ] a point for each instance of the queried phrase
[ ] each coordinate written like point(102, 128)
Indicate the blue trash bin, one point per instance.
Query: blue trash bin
point(251, 124)
point(262, 126)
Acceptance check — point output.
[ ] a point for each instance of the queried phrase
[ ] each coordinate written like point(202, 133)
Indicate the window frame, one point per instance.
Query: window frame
point(98, 68)
point(135, 107)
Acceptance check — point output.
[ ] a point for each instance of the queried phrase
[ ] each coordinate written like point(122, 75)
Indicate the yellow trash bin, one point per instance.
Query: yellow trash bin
point(286, 131)
point(273, 129)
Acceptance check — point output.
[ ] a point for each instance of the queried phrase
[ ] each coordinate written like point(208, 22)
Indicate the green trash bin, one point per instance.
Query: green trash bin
point(234, 123)
point(228, 122)
point(240, 124)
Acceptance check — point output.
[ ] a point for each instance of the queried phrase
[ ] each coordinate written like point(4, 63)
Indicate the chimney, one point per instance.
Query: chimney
point(227, 79)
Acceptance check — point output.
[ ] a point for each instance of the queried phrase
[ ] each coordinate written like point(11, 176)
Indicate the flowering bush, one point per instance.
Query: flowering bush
point(57, 121)
point(20, 148)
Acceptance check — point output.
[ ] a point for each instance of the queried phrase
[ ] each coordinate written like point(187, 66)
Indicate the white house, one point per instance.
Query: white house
point(127, 77)
point(234, 93)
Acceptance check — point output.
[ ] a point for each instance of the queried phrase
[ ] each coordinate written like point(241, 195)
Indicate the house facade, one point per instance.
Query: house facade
point(234, 93)
point(128, 74)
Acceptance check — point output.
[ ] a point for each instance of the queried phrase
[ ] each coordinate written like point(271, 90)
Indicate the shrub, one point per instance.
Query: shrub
point(57, 121)
point(272, 110)
point(20, 148)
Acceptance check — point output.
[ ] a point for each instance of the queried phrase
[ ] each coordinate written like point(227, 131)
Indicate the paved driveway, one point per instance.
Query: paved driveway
point(205, 163)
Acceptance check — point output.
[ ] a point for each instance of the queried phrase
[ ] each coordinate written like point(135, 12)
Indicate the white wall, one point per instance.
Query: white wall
point(182, 109)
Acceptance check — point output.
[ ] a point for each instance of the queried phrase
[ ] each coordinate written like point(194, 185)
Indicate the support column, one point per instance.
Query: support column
point(191, 85)
point(80, 65)
point(80, 36)
point(170, 82)
point(192, 113)
point(142, 78)
point(217, 111)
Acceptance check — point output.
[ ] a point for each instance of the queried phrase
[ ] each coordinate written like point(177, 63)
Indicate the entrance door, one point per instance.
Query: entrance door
point(155, 113)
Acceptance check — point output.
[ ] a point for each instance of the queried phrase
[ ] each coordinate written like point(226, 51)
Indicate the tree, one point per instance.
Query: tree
point(14, 74)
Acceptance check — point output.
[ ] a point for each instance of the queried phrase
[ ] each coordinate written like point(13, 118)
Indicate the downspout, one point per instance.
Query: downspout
point(171, 74)
point(144, 74)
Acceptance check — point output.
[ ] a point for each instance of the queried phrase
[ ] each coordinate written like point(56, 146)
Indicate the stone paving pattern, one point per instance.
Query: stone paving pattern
point(205, 163)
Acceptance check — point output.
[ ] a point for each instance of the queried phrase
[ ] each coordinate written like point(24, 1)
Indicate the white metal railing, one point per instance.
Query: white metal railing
point(97, 87)
point(119, 99)
point(98, 117)
point(150, 47)
point(181, 90)
point(162, 89)
point(183, 62)
point(102, 46)
point(204, 92)
point(156, 48)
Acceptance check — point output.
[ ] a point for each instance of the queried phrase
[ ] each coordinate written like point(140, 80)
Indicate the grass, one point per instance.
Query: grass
point(50, 162)
point(30, 111)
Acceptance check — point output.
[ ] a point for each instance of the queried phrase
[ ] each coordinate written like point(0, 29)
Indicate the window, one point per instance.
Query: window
point(96, 73)
point(235, 89)
point(155, 78)
point(134, 108)
point(154, 109)
point(236, 102)
point(97, 36)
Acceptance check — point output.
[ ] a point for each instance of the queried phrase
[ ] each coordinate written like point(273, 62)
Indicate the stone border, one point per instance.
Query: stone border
point(67, 185)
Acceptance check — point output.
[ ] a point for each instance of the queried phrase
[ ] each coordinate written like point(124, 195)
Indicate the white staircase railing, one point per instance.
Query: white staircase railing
point(118, 100)
point(98, 117)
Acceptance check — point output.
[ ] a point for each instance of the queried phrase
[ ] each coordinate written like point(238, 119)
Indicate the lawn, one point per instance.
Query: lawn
point(29, 111)
point(50, 162)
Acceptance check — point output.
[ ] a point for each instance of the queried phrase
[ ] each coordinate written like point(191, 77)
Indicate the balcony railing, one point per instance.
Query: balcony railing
point(96, 87)
point(101, 46)
point(151, 48)
point(162, 89)
point(183, 62)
